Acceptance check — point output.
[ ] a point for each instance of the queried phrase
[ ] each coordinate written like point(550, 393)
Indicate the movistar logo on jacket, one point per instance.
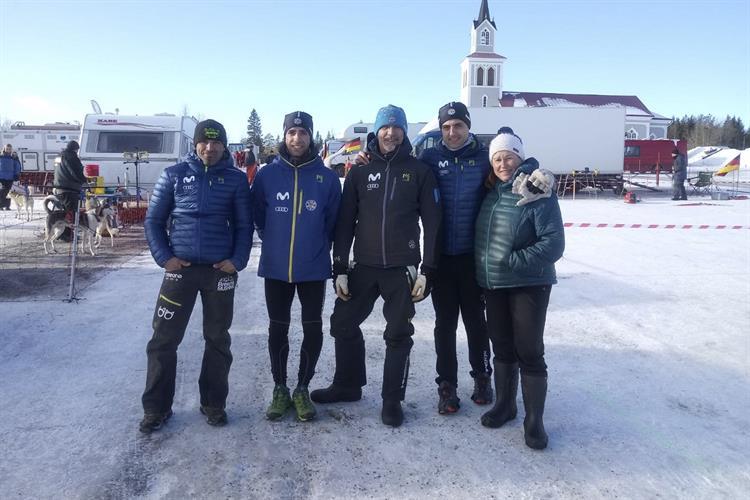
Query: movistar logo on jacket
point(188, 180)
point(373, 181)
point(282, 196)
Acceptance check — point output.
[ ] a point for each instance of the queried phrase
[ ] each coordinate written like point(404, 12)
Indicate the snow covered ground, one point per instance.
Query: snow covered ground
point(647, 345)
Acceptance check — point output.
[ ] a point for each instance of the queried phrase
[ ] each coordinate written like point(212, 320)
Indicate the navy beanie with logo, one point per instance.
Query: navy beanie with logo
point(454, 111)
point(299, 119)
point(391, 115)
point(210, 130)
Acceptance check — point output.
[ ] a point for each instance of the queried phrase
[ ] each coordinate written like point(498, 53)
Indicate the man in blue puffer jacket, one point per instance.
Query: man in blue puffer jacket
point(460, 164)
point(295, 202)
point(199, 229)
point(10, 170)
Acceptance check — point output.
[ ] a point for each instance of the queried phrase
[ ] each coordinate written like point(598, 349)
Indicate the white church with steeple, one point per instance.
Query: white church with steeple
point(482, 86)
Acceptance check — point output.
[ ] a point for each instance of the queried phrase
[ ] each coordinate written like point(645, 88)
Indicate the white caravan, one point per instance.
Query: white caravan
point(562, 139)
point(105, 138)
point(38, 145)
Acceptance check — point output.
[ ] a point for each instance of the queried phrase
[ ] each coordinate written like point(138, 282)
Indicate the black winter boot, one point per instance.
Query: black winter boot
point(534, 394)
point(392, 413)
point(482, 394)
point(350, 374)
point(506, 390)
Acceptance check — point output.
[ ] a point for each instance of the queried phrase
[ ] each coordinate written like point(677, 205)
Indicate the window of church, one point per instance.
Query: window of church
point(491, 77)
point(484, 101)
point(631, 134)
point(484, 38)
point(480, 77)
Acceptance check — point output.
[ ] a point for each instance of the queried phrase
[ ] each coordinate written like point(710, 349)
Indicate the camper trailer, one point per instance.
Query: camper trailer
point(38, 145)
point(162, 140)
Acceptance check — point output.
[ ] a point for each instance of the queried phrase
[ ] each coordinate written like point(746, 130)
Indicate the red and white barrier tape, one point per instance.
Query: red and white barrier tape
point(654, 226)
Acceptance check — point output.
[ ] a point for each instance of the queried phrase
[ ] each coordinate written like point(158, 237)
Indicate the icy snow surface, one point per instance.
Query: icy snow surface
point(646, 342)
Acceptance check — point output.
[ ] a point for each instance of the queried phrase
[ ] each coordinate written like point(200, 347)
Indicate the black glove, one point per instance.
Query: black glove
point(430, 274)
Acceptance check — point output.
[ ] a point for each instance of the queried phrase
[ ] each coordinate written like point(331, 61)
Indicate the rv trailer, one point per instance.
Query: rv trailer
point(38, 145)
point(165, 138)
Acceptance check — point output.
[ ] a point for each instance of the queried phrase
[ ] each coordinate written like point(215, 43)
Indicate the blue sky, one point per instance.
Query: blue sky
point(342, 60)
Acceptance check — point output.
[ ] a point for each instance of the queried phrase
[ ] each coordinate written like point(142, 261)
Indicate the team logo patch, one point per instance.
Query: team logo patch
point(451, 112)
point(406, 177)
point(165, 313)
point(412, 244)
point(373, 177)
point(220, 180)
point(224, 284)
point(311, 205)
point(444, 171)
point(298, 121)
point(471, 163)
point(188, 180)
point(392, 119)
point(319, 178)
point(443, 164)
point(282, 196)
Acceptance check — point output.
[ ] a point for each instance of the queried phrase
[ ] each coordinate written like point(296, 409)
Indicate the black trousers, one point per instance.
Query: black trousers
point(455, 289)
point(5, 186)
point(279, 296)
point(68, 199)
point(174, 306)
point(366, 284)
point(515, 321)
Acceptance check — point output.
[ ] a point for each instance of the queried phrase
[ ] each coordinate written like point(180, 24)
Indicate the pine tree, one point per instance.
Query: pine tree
point(254, 130)
point(318, 141)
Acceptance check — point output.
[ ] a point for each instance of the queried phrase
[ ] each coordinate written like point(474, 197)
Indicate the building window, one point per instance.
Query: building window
point(464, 79)
point(484, 101)
point(631, 134)
point(491, 77)
point(480, 77)
point(484, 38)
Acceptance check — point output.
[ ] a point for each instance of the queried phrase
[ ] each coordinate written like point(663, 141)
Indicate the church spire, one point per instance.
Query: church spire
point(484, 15)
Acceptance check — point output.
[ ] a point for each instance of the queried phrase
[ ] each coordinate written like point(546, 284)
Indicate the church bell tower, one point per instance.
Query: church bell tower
point(482, 69)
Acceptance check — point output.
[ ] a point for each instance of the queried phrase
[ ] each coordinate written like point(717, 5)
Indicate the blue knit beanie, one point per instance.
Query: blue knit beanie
point(391, 115)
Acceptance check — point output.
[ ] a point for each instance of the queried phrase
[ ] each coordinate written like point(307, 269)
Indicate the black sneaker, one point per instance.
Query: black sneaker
point(392, 414)
point(482, 389)
point(153, 421)
point(336, 394)
point(448, 402)
point(214, 416)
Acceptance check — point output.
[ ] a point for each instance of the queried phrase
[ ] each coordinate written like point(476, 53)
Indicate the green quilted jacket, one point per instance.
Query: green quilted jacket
point(517, 246)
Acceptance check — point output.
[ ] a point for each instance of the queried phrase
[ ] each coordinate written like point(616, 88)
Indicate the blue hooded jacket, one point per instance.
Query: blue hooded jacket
point(10, 168)
point(209, 214)
point(295, 209)
point(460, 176)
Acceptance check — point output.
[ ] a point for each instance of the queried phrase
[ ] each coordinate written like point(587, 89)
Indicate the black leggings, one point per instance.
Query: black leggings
point(515, 322)
point(279, 297)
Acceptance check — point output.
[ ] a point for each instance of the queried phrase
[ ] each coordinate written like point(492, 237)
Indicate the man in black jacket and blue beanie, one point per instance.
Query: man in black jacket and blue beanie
point(381, 207)
point(199, 229)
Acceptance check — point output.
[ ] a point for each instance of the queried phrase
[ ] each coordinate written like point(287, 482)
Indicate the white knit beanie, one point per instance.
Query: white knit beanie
point(506, 140)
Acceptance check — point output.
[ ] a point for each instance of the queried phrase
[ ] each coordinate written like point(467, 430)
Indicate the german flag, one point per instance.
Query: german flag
point(729, 167)
point(353, 146)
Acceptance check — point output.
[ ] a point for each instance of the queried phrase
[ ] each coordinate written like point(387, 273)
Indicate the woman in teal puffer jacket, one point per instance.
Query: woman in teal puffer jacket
point(517, 242)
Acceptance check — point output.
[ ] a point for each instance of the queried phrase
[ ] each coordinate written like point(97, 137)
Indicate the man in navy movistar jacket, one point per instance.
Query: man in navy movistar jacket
point(295, 202)
point(199, 229)
point(460, 164)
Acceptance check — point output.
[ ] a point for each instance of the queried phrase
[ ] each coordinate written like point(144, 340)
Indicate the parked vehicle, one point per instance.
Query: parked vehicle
point(38, 145)
point(646, 155)
point(165, 139)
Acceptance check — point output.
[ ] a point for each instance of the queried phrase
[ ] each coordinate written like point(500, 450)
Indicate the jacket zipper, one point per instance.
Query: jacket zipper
point(294, 224)
point(459, 178)
point(385, 205)
point(487, 244)
point(204, 181)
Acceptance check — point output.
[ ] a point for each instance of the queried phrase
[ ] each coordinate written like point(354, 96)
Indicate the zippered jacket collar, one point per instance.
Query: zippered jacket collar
point(402, 152)
point(196, 163)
